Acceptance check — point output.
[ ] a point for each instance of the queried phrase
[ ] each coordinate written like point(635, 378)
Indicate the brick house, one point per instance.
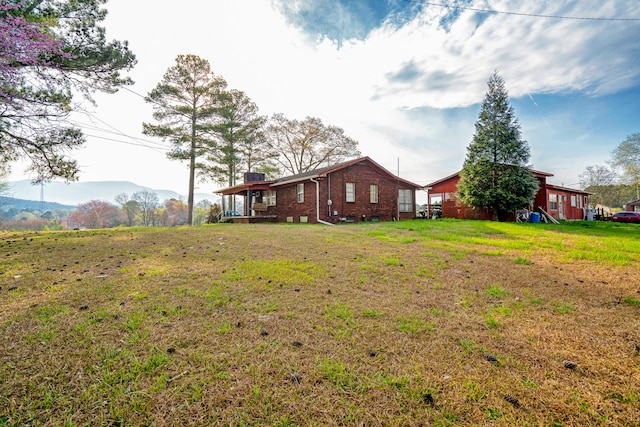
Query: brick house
point(355, 190)
point(560, 202)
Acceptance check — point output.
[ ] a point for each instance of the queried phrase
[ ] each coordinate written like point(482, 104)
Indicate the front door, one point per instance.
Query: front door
point(560, 207)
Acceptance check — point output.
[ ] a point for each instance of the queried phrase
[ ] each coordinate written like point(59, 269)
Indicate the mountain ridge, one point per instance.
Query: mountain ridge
point(9, 203)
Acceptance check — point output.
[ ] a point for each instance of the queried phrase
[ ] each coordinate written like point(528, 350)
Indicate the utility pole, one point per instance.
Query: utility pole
point(398, 192)
point(41, 197)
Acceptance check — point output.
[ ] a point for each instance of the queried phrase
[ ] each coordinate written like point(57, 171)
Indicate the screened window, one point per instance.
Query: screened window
point(373, 192)
point(553, 201)
point(573, 201)
point(405, 200)
point(350, 192)
point(269, 198)
point(300, 188)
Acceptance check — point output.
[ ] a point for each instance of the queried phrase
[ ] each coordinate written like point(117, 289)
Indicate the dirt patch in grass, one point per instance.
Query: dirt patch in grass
point(414, 323)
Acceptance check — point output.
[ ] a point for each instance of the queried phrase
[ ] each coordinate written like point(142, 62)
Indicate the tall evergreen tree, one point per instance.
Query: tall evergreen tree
point(238, 138)
point(495, 176)
point(186, 102)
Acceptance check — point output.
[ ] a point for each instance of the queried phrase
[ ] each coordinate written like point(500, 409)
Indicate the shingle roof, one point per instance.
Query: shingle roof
point(316, 173)
point(323, 172)
point(453, 175)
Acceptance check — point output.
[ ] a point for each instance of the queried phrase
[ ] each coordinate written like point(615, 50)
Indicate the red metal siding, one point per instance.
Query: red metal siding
point(563, 209)
point(541, 195)
point(453, 208)
point(633, 206)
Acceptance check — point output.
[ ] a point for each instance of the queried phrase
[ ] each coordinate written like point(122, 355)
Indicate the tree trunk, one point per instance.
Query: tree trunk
point(192, 170)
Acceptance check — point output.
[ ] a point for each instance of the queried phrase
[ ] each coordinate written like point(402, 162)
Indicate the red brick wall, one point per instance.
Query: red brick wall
point(287, 203)
point(363, 176)
point(334, 186)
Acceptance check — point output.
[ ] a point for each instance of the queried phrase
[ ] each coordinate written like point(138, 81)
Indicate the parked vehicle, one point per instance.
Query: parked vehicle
point(626, 217)
point(232, 213)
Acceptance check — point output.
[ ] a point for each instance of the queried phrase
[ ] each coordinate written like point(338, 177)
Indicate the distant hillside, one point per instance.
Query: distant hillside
point(81, 192)
point(8, 203)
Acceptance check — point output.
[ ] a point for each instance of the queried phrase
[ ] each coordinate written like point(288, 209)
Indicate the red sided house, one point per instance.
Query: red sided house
point(633, 206)
point(355, 190)
point(559, 202)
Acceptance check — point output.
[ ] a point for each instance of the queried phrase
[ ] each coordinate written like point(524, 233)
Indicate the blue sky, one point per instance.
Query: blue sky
point(340, 20)
point(403, 77)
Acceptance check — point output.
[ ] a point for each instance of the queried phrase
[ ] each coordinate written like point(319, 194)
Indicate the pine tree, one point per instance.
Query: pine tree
point(185, 104)
point(495, 176)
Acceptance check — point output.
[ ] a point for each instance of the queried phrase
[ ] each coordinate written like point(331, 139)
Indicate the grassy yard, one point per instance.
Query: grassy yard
point(441, 323)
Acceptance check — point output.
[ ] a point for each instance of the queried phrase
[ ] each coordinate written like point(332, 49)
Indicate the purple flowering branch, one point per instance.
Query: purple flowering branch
point(23, 44)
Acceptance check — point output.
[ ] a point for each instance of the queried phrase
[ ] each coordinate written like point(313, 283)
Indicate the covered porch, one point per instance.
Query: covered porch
point(254, 206)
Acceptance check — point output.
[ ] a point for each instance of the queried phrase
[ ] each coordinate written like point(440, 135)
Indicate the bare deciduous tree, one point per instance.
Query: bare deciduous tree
point(308, 144)
point(147, 202)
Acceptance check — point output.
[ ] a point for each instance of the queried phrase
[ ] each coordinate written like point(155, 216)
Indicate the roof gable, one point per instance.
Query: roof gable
point(313, 174)
point(537, 174)
point(567, 189)
point(325, 171)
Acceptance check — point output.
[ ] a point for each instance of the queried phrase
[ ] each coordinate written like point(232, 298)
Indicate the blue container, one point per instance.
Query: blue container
point(535, 217)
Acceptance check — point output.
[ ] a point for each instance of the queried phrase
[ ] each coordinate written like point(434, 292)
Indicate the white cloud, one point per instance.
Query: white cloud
point(534, 55)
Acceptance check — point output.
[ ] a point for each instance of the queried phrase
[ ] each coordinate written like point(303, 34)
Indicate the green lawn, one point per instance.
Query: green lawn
point(413, 323)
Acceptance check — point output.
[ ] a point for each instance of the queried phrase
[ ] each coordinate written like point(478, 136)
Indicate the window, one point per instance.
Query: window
point(300, 189)
point(350, 192)
point(573, 201)
point(373, 193)
point(269, 198)
point(405, 200)
point(553, 202)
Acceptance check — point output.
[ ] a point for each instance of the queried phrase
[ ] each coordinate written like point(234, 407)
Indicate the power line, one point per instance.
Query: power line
point(159, 150)
point(134, 92)
point(532, 15)
point(140, 141)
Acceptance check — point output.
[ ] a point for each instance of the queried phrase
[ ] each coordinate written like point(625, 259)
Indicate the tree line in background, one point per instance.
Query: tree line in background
point(617, 183)
point(220, 133)
point(142, 208)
